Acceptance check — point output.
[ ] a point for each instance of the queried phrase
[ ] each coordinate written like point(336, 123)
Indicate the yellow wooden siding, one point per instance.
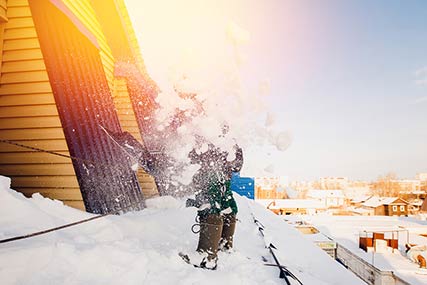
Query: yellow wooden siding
point(16, 23)
point(128, 123)
point(21, 44)
point(147, 184)
point(32, 157)
point(51, 145)
point(32, 134)
point(54, 193)
point(29, 76)
point(27, 88)
point(23, 65)
point(124, 108)
point(21, 33)
point(17, 100)
point(16, 55)
point(3, 8)
point(46, 182)
point(28, 114)
point(131, 35)
point(75, 204)
point(28, 111)
point(29, 122)
point(2, 25)
point(84, 11)
point(36, 169)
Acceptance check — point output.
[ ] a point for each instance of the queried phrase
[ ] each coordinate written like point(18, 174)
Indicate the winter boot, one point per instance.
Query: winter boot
point(210, 234)
point(228, 228)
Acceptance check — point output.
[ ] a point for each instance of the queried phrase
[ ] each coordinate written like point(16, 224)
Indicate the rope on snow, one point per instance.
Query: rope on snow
point(66, 225)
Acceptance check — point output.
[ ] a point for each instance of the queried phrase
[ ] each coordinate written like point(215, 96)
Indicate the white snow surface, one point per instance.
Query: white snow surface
point(142, 247)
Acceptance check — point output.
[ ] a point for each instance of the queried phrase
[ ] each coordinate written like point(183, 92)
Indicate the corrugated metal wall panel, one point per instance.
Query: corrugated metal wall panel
point(28, 113)
point(124, 109)
point(129, 65)
point(84, 11)
point(84, 102)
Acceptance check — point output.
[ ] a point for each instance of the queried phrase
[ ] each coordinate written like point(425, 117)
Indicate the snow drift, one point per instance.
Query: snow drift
point(142, 247)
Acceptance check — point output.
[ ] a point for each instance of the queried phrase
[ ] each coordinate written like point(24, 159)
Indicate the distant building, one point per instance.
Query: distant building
point(329, 198)
point(421, 176)
point(301, 187)
point(358, 201)
point(386, 206)
point(424, 206)
point(269, 188)
point(407, 185)
point(332, 183)
point(357, 191)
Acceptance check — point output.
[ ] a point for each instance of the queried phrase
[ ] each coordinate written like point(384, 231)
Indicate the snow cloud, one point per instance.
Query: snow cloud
point(209, 98)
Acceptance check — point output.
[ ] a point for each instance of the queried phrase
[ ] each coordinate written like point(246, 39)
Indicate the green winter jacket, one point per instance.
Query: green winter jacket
point(220, 198)
point(212, 182)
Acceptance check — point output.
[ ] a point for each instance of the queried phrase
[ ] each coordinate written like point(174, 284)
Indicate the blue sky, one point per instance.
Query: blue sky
point(343, 75)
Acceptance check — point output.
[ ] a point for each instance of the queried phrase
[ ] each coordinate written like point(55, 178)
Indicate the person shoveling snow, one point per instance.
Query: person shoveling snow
point(211, 184)
point(217, 208)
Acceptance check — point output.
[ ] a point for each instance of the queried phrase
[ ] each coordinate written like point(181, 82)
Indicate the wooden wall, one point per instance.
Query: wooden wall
point(128, 122)
point(131, 35)
point(3, 8)
point(28, 115)
point(3, 21)
point(28, 111)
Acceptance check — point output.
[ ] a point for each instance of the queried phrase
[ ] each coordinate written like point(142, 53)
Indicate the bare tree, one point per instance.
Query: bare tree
point(387, 186)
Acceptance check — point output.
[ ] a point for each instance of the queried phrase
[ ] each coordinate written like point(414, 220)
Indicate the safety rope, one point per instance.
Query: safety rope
point(66, 225)
point(285, 273)
point(47, 151)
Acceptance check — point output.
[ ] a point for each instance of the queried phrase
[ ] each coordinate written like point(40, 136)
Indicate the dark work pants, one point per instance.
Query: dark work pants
point(228, 228)
point(213, 229)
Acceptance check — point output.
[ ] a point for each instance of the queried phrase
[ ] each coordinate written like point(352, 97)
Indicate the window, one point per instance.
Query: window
point(402, 208)
point(394, 208)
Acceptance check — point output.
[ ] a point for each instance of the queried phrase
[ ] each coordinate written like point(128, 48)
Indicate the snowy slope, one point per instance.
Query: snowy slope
point(142, 247)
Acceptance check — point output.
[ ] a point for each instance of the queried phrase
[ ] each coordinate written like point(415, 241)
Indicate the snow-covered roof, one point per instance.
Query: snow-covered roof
point(376, 201)
point(360, 199)
point(417, 202)
point(359, 210)
point(291, 203)
point(140, 247)
point(325, 194)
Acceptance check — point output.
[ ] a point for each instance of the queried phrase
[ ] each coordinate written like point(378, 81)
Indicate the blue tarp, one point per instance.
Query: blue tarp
point(244, 186)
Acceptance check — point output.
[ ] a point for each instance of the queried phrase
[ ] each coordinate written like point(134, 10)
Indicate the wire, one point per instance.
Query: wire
point(46, 151)
point(66, 225)
point(51, 229)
